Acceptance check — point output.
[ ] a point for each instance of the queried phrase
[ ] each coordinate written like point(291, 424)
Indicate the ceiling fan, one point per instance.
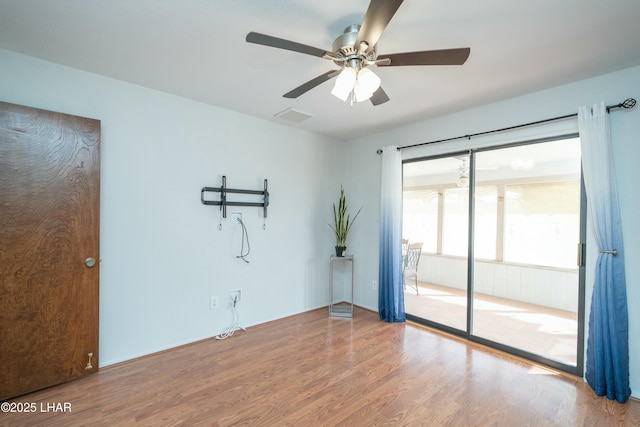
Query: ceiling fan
point(463, 171)
point(355, 51)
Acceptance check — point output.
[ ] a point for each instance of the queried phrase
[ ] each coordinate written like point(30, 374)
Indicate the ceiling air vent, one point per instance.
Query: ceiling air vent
point(293, 115)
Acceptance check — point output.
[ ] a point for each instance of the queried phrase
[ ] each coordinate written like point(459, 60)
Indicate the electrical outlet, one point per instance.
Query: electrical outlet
point(374, 284)
point(214, 302)
point(236, 217)
point(235, 296)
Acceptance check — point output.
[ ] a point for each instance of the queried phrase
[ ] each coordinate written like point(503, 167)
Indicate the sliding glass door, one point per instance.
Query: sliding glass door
point(436, 214)
point(518, 286)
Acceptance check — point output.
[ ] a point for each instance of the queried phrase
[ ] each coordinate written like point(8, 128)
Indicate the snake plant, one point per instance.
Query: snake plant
point(341, 220)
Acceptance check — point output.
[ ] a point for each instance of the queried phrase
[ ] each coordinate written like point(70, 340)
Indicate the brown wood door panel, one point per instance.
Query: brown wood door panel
point(49, 225)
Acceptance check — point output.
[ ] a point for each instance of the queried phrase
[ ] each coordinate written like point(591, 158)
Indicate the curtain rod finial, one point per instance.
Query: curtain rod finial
point(628, 103)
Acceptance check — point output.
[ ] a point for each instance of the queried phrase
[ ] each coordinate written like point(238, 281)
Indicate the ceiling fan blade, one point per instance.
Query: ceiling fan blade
point(427, 57)
point(266, 40)
point(375, 21)
point(379, 97)
point(305, 87)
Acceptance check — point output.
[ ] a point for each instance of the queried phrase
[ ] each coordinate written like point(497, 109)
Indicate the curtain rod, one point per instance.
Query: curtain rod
point(626, 104)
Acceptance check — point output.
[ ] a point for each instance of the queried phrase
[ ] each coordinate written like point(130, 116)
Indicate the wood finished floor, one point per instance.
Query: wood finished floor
point(312, 370)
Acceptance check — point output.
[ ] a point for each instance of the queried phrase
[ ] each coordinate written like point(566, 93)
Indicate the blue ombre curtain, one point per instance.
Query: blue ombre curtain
point(607, 370)
point(390, 289)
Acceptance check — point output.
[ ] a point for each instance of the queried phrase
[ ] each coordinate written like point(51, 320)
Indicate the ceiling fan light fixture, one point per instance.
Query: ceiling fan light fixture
point(361, 84)
point(366, 84)
point(354, 50)
point(344, 83)
point(463, 181)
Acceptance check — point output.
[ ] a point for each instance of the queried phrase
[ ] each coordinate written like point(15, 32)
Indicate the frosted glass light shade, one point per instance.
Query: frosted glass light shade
point(366, 83)
point(344, 83)
point(363, 83)
point(361, 93)
point(369, 80)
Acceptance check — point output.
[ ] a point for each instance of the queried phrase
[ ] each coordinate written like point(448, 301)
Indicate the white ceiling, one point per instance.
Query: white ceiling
point(197, 49)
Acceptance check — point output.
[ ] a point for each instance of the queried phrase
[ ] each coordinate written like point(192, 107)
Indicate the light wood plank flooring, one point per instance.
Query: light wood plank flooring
point(312, 370)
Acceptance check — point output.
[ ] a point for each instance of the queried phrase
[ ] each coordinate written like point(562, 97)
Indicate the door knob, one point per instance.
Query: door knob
point(90, 262)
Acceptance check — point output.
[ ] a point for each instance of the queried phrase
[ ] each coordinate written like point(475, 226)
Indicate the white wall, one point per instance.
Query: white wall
point(363, 173)
point(162, 255)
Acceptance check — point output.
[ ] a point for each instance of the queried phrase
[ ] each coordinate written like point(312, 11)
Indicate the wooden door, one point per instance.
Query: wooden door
point(49, 227)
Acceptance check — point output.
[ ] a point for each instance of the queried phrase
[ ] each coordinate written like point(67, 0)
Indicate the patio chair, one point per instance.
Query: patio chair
point(411, 261)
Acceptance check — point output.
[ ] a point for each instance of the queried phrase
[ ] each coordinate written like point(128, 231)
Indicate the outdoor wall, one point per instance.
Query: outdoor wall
point(549, 287)
point(363, 175)
point(162, 255)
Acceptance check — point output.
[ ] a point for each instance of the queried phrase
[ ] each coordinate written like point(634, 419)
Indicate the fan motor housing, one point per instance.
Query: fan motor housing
point(344, 47)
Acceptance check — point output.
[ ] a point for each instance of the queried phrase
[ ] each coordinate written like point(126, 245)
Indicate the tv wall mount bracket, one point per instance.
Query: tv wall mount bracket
point(224, 191)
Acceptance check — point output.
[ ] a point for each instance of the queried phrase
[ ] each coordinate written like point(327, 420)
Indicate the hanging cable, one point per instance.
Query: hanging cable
point(235, 323)
point(245, 236)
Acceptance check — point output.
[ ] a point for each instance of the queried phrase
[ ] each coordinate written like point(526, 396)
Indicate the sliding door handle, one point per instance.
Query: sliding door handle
point(580, 254)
